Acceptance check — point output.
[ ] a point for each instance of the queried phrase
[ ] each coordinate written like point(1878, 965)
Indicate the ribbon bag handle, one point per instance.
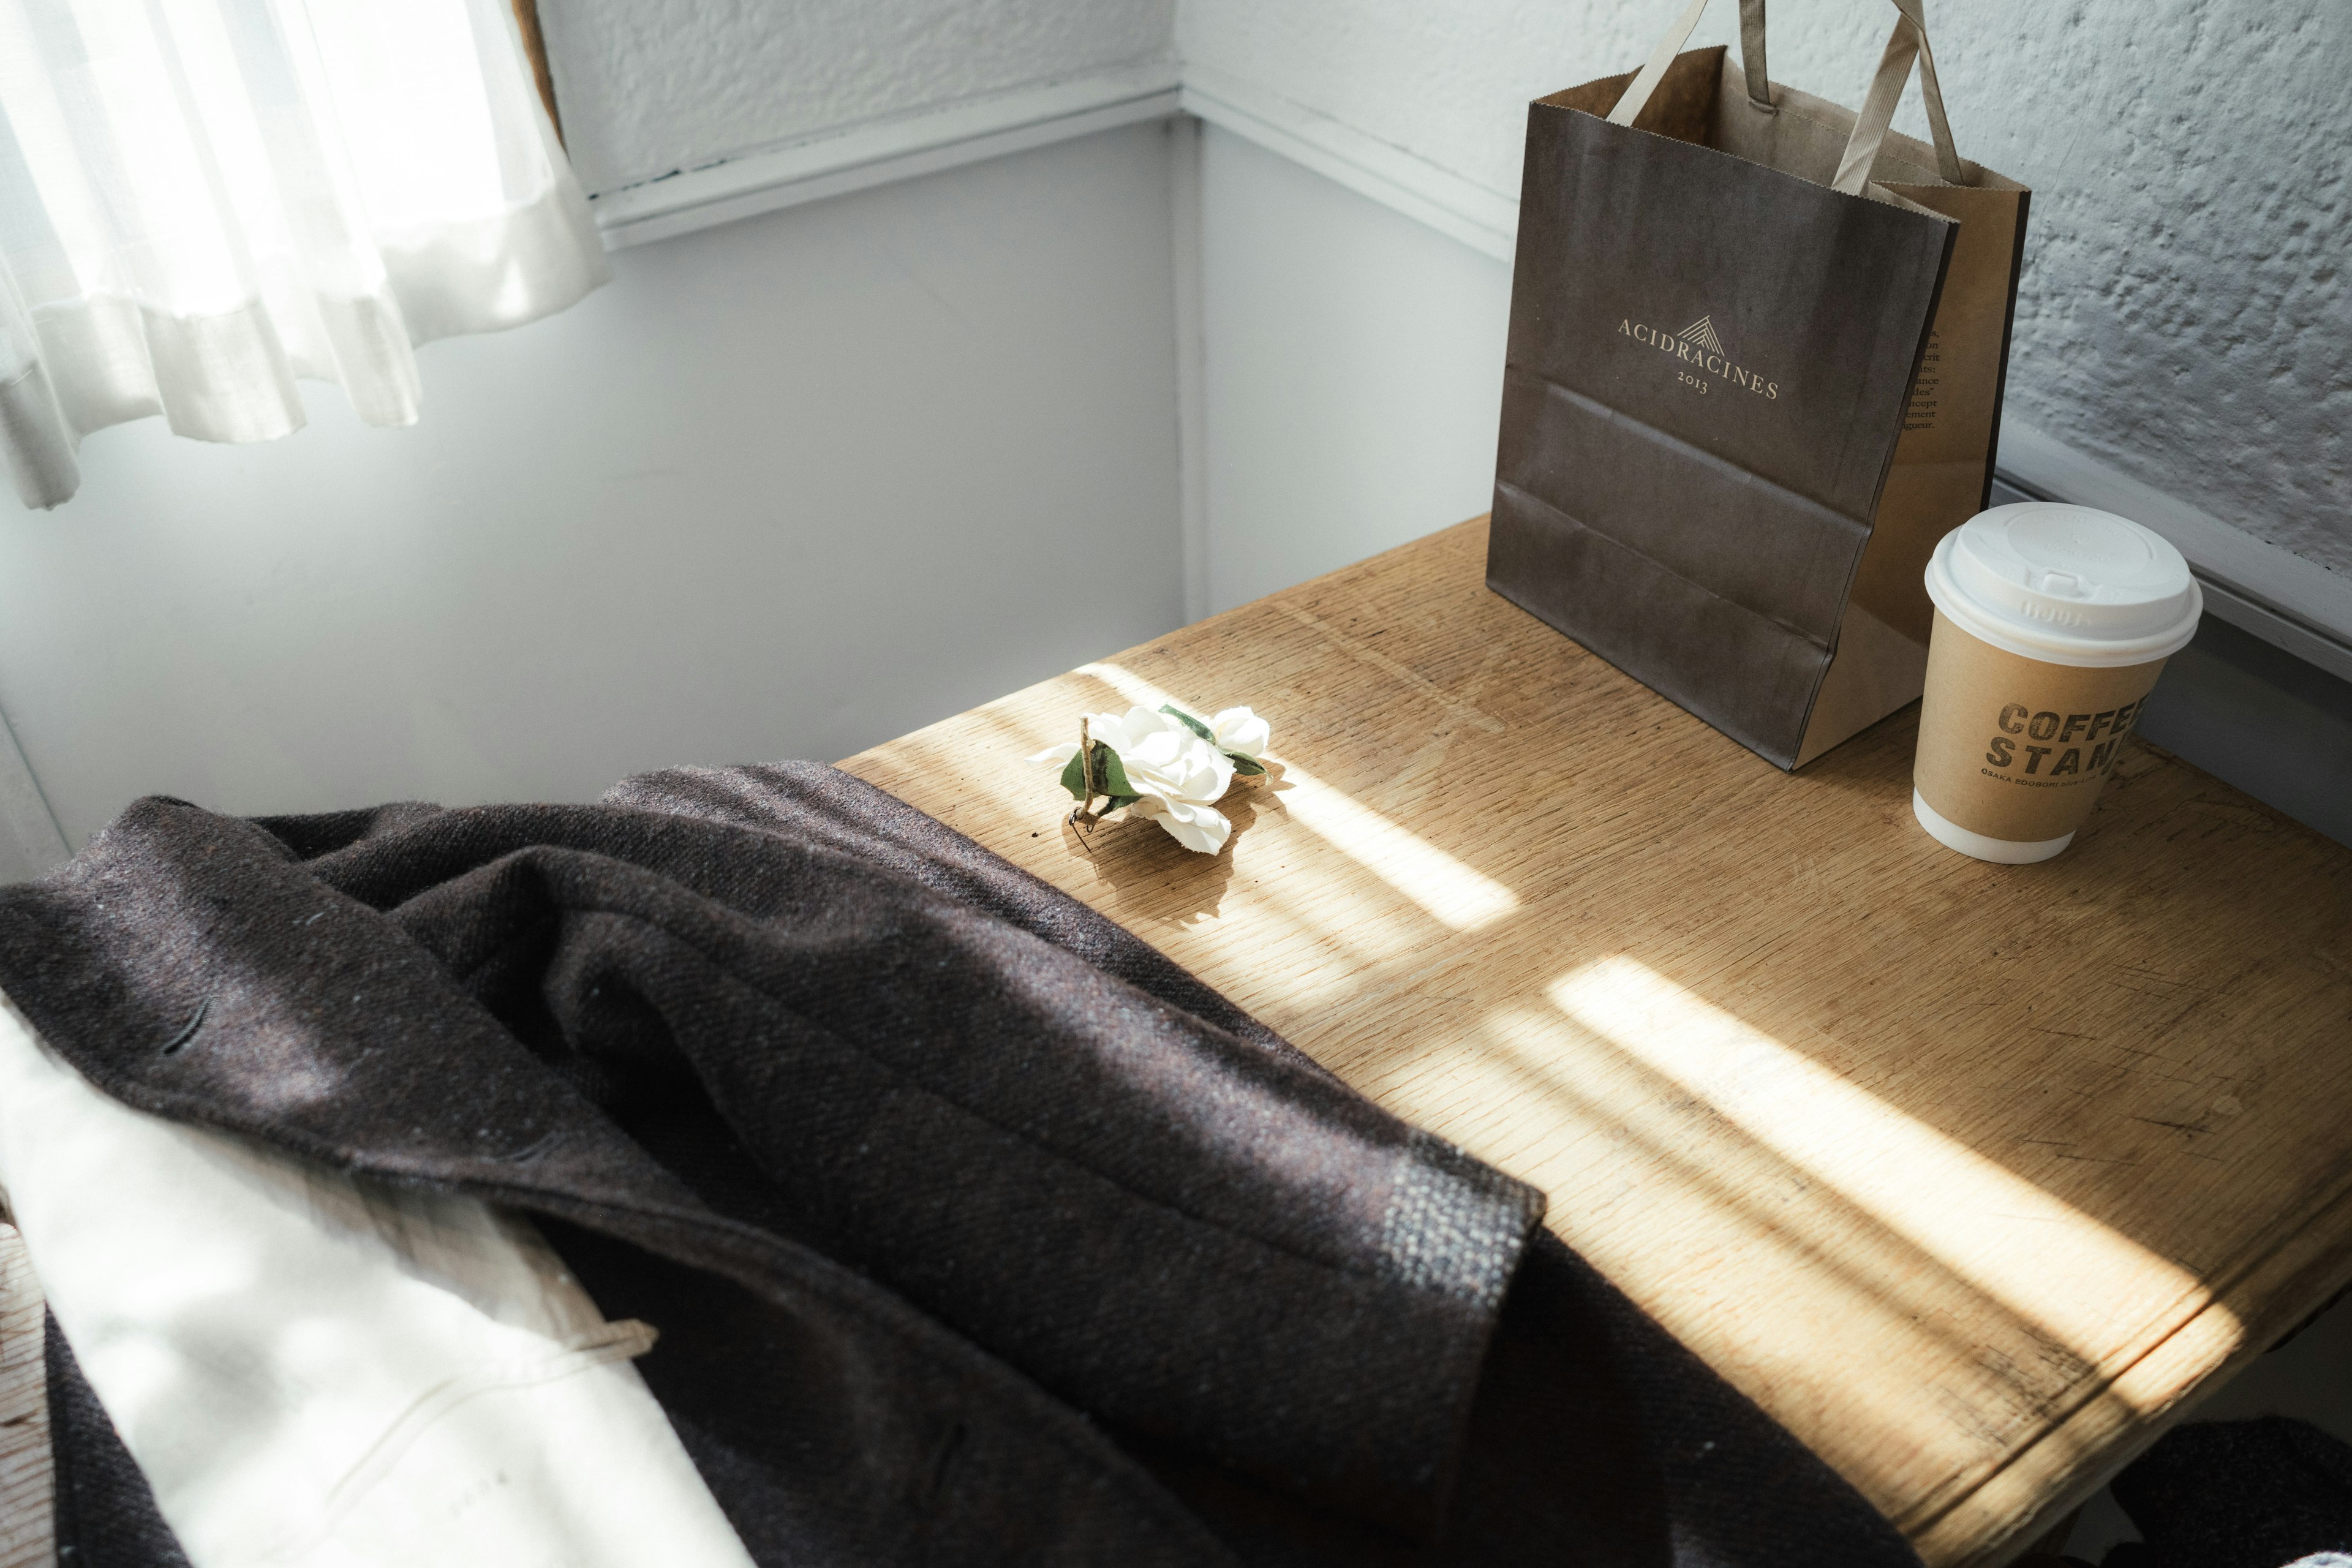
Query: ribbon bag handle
point(1906, 43)
point(1751, 55)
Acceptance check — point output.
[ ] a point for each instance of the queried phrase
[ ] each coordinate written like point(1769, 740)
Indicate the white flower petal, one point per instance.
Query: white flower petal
point(1059, 757)
point(1108, 728)
point(1211, 778)
point(1201, 774)
point(1159, 751)
point(1140, 723)
point(1240, 730)
point(1200, 828)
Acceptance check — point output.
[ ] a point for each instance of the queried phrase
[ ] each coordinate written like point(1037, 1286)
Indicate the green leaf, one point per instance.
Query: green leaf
point(1073, 779)
point(1248, 767)
point(1110, 774)
point(1189, 722)
point(1117, 801)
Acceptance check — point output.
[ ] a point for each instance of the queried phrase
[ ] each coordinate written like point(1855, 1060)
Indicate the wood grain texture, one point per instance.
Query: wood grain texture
point(1970, 1174)
point(25, 1495)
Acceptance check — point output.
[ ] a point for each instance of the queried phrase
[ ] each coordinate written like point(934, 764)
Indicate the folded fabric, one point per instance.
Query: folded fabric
point(315, 1369)
point(974, 1229)
point(2270, 1493)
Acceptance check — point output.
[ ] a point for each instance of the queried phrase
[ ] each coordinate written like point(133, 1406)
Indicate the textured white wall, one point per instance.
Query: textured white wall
point(785, 488)
point(1353, 373)
point(650, 87)
point(2186, 312)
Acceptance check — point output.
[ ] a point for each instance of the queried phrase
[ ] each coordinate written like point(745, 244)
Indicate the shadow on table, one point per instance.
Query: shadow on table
point(1158, 879)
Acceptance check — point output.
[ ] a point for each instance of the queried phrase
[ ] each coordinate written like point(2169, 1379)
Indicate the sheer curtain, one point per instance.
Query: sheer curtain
point(202, 200)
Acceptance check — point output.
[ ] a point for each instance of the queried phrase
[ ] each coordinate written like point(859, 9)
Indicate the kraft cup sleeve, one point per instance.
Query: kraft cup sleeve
point(2015, 748)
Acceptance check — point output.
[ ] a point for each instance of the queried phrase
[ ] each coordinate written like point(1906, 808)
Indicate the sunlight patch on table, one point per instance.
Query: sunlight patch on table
point(2042, 1258)
point(1844, 1290)
point(1455, 894)
point(1772, 1280)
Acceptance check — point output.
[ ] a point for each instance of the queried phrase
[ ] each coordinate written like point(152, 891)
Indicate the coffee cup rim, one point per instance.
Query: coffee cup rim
point(2052, 644)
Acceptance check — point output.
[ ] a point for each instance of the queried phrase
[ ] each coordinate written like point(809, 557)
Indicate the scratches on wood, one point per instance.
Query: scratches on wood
point(1364, 652)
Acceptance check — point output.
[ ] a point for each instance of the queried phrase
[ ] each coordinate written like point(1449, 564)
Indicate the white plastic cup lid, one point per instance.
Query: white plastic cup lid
point(2067, 584)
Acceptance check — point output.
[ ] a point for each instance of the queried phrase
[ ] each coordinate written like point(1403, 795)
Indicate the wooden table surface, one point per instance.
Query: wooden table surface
point(25, 1495)
point(1972, 1176)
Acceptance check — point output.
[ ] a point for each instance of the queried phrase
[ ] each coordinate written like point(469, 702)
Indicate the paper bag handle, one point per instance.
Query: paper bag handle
point(1751, 55)
point(1907, 42)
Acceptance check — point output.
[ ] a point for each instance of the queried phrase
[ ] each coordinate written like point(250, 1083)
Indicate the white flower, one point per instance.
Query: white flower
point(1177, 777)
point(1239, 730)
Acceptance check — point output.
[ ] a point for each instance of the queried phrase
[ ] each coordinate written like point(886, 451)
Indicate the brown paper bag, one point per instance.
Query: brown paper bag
point(1757, 350)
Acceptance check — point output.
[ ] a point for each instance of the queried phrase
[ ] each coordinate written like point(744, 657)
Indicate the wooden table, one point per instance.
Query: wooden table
point(25, 1495)
point(1972, 1176)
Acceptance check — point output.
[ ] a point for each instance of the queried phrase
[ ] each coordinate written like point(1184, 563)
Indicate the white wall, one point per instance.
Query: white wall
point(785, 488)
point(651, 87)
point(1353, 370)
point(2186, 314)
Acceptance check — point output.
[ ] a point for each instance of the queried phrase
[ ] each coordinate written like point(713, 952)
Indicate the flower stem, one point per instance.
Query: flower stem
point(1086, 811)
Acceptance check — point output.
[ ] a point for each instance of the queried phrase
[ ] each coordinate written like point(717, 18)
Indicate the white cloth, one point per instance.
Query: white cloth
point(201, 200)
point(320, 1371)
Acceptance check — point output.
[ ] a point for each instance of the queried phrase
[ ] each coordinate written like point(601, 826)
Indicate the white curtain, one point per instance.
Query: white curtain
point(202, 200)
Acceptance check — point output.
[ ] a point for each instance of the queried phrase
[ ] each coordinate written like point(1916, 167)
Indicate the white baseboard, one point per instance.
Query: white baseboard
point(2293, 604)
point(880, 151)
point(1485, 220)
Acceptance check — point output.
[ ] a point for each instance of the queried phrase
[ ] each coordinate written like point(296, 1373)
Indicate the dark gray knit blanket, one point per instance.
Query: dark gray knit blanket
point(976, 1230)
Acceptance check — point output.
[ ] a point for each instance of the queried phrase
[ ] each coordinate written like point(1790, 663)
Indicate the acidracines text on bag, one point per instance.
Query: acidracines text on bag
point(1707, 357)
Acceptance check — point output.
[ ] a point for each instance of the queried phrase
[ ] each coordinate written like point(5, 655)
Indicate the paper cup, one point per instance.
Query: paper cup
point(2052, 625)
